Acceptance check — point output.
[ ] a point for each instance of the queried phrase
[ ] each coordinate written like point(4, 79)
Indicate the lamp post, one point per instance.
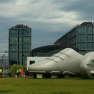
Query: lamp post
point(2, 62)
point(3, 56)
point(2, 59)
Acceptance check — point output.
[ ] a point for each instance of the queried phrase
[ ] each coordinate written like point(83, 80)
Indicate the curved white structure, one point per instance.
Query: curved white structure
point(66, 62)
point(87, 66)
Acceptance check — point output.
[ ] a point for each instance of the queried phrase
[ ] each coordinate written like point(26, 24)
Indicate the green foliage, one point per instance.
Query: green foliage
point(14, 68)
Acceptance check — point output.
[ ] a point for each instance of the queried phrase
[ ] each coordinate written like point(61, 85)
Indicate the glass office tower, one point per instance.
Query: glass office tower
point(19, 44)
point(81, 37)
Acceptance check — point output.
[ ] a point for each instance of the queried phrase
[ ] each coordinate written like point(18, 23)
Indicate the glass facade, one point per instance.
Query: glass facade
point(26, 46)
point(93, 45)
point(20, 47)
point(81, 37)
point(19, 44)
point(26, 32)
point(82, 46)
point(12, 61)
point(90, 46)
point(20, 32)
point(20, 39)
point(19, 61)
point(13, 32)
point(49, 50)
point(89, 30)
point(13, 47)
point(13, 39)
point(26, 39)
point(13, 54)
point(82, 30)
point(89, 37)
point(20, 54)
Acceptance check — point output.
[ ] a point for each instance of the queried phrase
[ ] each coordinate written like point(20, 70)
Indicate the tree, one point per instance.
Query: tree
point(15, 67)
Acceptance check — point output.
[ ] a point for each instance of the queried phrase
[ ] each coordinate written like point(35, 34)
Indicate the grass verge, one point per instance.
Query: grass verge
point(28, 85)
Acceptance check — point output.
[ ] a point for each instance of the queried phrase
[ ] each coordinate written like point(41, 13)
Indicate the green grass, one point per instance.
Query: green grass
point(28, 85)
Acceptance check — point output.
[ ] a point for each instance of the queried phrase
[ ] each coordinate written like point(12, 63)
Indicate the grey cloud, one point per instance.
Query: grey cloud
point(44, 17)
point(82, 8)
point(35, 1)
point(5, 1)
point(59, 1)
point(44, 38)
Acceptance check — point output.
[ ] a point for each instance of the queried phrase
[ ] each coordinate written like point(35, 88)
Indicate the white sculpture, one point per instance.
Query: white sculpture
point(65, 63)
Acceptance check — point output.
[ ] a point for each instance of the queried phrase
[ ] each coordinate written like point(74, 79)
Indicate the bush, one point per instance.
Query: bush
point(15, 67)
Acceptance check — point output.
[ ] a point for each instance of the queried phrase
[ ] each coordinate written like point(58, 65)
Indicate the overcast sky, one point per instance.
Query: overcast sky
point(49, 19)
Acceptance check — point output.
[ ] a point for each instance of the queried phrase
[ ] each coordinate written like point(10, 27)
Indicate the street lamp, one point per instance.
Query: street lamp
point(2, 62)
point(3, 56)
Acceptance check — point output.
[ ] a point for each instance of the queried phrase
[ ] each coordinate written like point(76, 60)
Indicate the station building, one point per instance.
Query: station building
point(19, 44)
point(41, 53)
point(81, 37)
point(49, 50)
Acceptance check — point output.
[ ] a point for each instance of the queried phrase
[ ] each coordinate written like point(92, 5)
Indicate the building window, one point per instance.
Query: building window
point(89, 30)
point(89, 46)
point(26, 39)
point(24, 61)
point(93, 45)
point(82, 46)
point(26, 46)
point(13, 39)
point(19, 61)
point(13, 32)
point(13, 61)
point(82, 52)
point(93, 30)
point(20, 47)
point(13, 47)
point(82, 30)
point(20, 40)
point(20, 54)
point(26, 32)
point(20, 32)
point(26, 54)
point(32, 62)
point(89, 37)
point(13, 54)
point(93, 37)
point(82, 38)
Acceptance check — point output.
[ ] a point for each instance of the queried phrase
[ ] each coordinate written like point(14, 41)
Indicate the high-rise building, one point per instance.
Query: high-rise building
point(19, 44)
point(81, 37)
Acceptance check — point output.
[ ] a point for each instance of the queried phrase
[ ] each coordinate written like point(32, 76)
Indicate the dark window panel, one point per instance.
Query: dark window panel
point(13, 54)
point(13, 32)
point(13, 61)
point(89, 30)
point(13, 47)
point(13, 40)
point(26, 39)
point(20, 32)
point(19, 61)
point(26, 32)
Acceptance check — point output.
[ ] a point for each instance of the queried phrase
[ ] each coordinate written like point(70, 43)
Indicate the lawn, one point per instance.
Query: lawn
point(28, 85)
